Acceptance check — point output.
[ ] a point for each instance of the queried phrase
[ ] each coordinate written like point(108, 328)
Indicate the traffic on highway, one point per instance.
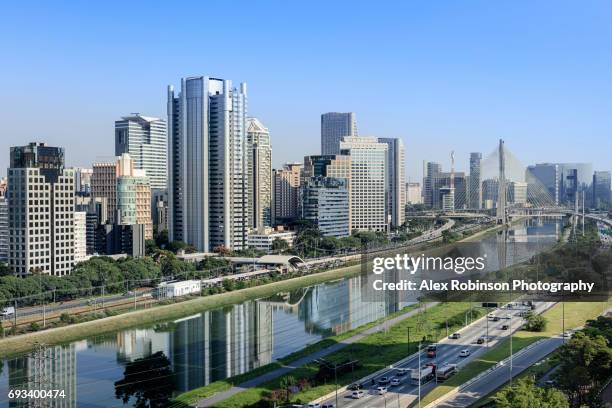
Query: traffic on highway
point(402, 383)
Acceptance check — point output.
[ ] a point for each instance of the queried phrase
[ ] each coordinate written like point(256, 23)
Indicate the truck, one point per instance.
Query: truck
point(444, 372)
point(7, 312)
point(422, 375)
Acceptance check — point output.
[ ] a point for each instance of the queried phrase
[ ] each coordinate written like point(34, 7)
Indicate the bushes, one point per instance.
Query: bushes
point(535, 323)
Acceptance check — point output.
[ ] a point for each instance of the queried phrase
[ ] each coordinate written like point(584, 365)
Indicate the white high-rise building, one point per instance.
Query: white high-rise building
point(259, 170)
point(207, 182)
point(368, 182)
point(145, 139)
point(80, 236)
point(41, 211)
point(82, 180)
point(414, 193)
point(396, 184)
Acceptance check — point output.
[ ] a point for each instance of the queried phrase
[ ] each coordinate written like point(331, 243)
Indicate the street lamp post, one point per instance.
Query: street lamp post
point(408, 340)
point(419, 370)
point(487, 319)
point(336, 380)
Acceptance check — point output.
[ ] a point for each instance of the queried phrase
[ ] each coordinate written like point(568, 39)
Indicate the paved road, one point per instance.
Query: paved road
point(307, 359)
point(448, 352)
point(501, 375)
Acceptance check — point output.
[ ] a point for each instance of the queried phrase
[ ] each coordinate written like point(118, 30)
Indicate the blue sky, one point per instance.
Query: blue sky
point(441, 75)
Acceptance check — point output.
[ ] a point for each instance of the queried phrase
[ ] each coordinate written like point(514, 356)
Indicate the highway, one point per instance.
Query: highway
point(447, 353)
point(501, 375)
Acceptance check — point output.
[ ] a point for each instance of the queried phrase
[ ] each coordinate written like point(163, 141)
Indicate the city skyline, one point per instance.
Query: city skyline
point(458, 88)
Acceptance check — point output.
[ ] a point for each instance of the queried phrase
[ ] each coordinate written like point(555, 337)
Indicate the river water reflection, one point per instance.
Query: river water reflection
point(152, 363)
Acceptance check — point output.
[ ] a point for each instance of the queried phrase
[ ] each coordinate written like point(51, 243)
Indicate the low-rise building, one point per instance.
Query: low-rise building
point(176, 289)
point(263, 239)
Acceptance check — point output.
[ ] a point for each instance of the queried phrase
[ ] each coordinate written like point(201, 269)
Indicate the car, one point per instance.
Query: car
point(357, 394)
point(395, 382)
point(314, 405)
point(402, 372)
point(327, 406)
point(455, 336)
point(355, 387)
point(381, 390)
point(496, 319)
point(480, 340)
point(384, 380)
point(464, 353)
point(566, 334)
point(431, 350)
point(505, 327)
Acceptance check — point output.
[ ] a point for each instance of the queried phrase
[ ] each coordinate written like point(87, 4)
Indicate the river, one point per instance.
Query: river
point(155, 362)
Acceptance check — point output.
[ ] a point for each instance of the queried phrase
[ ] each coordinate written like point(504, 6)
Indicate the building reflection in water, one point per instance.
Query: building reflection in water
point(51, 368)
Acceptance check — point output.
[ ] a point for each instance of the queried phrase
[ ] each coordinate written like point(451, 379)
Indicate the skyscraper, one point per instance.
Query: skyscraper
point(325, 202)
point(396, 176)
point(144, 139)
point(475, 185)
point(432, 172)
point(335, 126)
point(80, 236)
point(368, 182)
point(41, 211)
point(334, 165)
point(207, 181)
point(601, 190)
point(133, 196)
point(414, 194)
point(259, 171)
point(544, 180)
point(82, 180)
point(104, 186)
point(286, 193)
point(4, 228)
point(517, 193)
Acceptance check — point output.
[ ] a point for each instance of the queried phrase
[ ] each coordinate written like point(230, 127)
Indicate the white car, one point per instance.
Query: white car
point(357, 394)
point(395, 382)
point(381, 390)
point(313, 405)
point(464, 353)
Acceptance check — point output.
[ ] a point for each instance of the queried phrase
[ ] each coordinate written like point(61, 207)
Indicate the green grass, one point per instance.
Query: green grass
point(16, 345)
point(486, 361)
point(209, 390)
point(576, 314)
point(374, 352)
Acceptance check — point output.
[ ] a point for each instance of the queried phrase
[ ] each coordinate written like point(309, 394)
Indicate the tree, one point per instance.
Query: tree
point(535, 322)
point(176, 246)
point(5, 270)
point(150, 247)
point(279, 245)
point(585, 364)
point(149, 380)
point(286, 382)
point(524, 394)
point(161, 239)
